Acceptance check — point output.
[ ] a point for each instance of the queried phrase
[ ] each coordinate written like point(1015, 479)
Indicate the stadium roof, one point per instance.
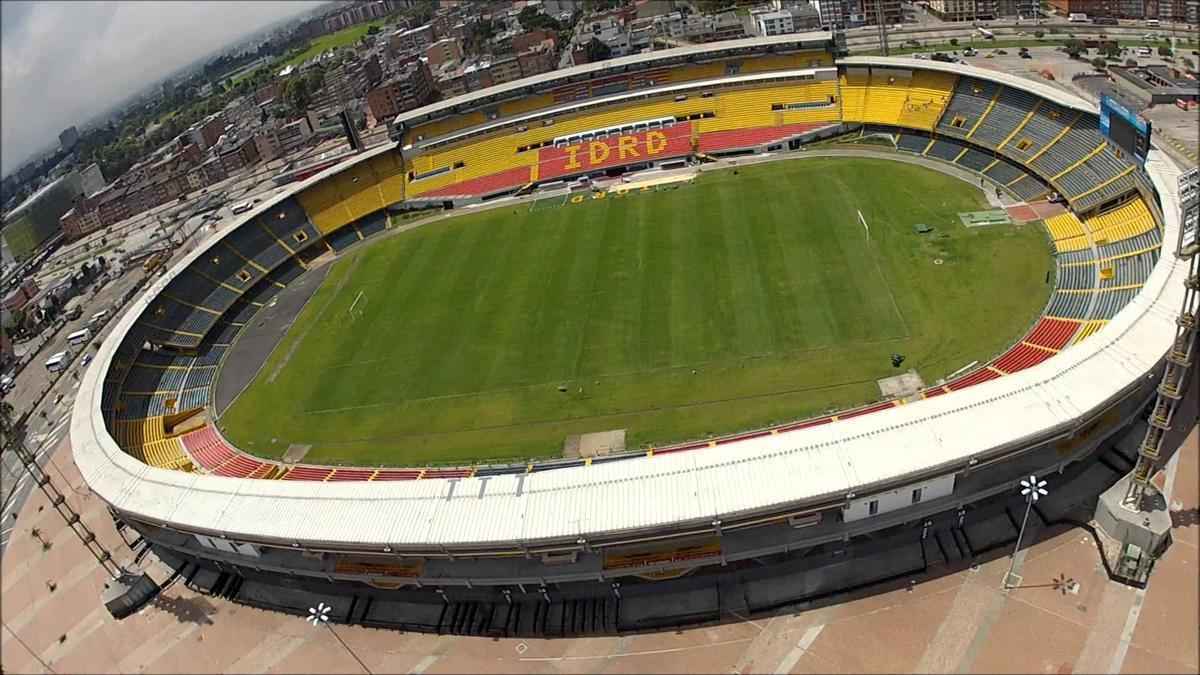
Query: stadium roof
point(34, 198)
point(434, 109)
point(1061, 96)
point(865, 454)
point(616, 98)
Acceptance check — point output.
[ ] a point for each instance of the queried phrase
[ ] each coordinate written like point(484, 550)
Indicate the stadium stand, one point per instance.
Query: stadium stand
point(1122, 222)
point(912, 143)
point(1013, 108)
point(974, 160)
point(1020, 357)
point(944, 149)
point(853, 84)
point(1087, 329)
point(1069, 305)
point(970, 101)
point(738, 139)
point(339, 239)
point(928, 93)
point(355, 191)
point(1077, 277)
point(373, 224)
point(1101, 259)
point(1052, 333)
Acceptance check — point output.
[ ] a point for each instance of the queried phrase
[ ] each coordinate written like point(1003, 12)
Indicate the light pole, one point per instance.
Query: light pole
point(1031, 488)
point(319, 616)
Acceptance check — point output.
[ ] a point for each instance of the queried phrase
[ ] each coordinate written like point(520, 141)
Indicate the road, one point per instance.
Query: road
point(51, 398)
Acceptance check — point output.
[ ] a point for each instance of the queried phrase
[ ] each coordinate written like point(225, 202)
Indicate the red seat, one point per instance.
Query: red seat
point(1052, 333)
point(749, 138)
point(510, 178)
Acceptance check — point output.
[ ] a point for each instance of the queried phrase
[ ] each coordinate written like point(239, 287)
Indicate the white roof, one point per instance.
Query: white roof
point(787, 470)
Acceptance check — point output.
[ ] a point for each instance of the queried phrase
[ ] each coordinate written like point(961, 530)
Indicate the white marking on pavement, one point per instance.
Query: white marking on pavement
point(424, 664)
point(1118, 659)
point(810, 636)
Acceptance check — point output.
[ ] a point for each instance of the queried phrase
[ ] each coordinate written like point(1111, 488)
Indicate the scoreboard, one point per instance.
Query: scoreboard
point(1125, 129)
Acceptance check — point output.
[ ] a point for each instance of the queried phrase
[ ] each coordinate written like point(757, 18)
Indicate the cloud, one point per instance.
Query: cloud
point(62, 62)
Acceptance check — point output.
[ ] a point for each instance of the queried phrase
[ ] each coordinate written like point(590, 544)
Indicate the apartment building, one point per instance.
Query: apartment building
point(446, 50)
point(409, 88)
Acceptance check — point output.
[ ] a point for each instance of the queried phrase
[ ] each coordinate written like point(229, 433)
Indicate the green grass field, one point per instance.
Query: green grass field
point(733, 302)
point(346, 36)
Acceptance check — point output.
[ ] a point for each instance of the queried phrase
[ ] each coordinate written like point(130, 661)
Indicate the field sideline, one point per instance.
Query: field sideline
point(749, 297)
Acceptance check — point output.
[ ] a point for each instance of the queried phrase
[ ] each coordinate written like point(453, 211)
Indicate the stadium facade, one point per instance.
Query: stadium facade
point(575, 542)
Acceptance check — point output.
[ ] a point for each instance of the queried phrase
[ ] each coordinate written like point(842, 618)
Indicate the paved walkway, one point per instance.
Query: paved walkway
point(1066, 617)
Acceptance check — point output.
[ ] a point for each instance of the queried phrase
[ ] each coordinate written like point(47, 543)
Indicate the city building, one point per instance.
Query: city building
point(294, 134)
point(206, 132)
point(68, 138)
point(268, 92)
point(773, 23)
point(539, 58)
point(528, 39)
point(112, 205)
point(443, 51)
point(505, 69)
point(92, 179)
point(412, 87)
point(239, 154)
point(213, 171)
point(267, 143)
point(853, 13)
point(359, 12)
point(410, 40)
point(80, 221)
point(609, 30)
point(1165, 10)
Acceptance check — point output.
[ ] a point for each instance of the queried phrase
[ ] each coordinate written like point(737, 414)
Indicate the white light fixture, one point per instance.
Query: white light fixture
point(1033, 488)
point(319, 614)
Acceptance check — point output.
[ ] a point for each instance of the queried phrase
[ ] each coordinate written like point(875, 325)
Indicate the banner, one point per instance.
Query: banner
point(615, 151)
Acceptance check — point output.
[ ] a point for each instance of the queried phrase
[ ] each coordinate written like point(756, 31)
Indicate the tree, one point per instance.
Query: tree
point(1099, 63)
point(597, 51)
point(297, 93)
point(533, 19)
point(371, 30)
point(953, 42)
point(1039, 34)
point(1164, 50)
point(1131, 63)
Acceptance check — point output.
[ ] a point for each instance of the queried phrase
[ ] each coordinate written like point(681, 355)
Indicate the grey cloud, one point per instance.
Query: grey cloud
point(61, 62)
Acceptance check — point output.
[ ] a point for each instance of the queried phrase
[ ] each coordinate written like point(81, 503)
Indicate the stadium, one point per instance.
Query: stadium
point(746, 449)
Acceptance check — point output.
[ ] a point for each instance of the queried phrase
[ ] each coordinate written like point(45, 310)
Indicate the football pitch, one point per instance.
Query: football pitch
point(751, 296)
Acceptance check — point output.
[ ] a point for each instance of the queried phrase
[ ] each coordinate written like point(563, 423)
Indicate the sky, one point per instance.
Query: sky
point(62, 62)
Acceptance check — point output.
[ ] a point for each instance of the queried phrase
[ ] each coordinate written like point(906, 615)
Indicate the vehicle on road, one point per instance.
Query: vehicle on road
point(7, 383)
point(242, 207)
point(58, 361)
point(79, 337)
